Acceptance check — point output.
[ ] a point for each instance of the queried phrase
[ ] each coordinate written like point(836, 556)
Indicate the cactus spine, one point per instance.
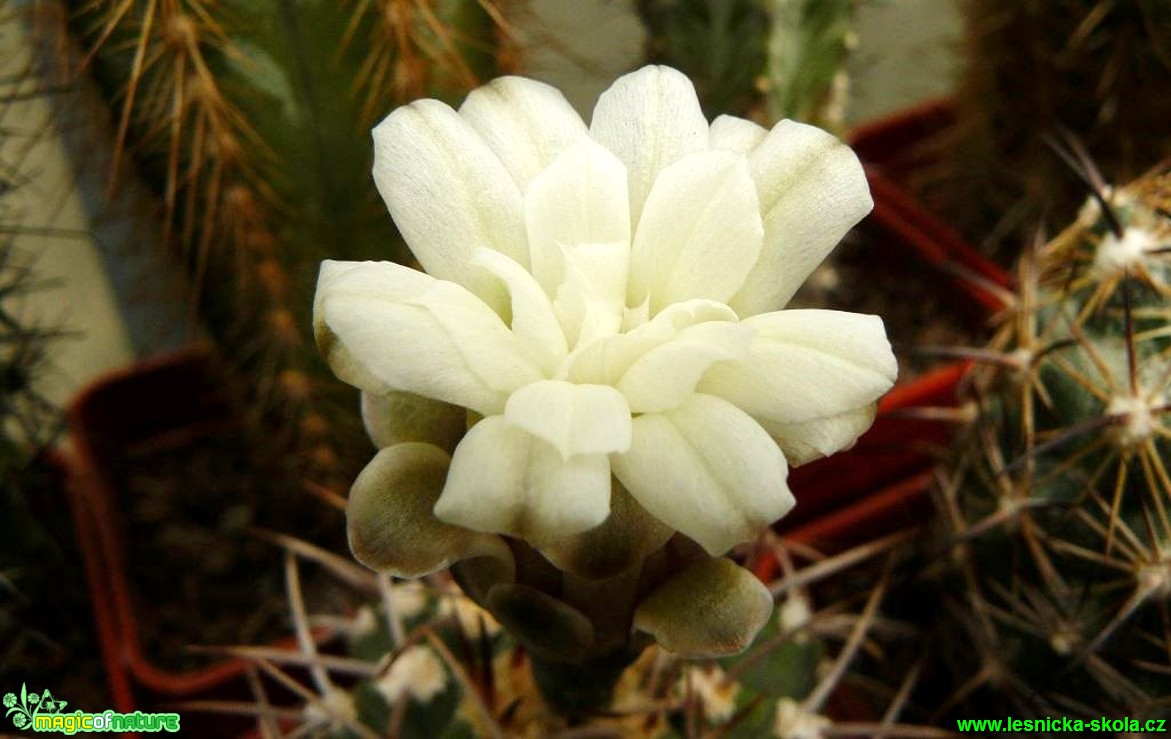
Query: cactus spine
point(420, 659)
point(1058, 499)
point(249, 120)
point(1097, 68)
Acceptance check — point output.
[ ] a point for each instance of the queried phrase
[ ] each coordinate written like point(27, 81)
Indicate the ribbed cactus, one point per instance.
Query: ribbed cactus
point(250, 120)
point(1098, 68)
point(770, 59)
point(1058, 498)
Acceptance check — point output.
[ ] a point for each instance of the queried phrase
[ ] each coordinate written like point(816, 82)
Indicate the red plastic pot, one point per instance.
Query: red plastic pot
point(164, 396)
point(163, 401)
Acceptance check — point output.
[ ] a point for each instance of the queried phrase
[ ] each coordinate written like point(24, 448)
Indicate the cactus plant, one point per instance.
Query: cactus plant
point(1098, 68)
point(421, 659)
point(769, 59)
point(233, 112)
point(1057, 499)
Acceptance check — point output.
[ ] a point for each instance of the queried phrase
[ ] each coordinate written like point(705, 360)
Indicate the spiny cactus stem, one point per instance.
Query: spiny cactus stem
point(818, 696)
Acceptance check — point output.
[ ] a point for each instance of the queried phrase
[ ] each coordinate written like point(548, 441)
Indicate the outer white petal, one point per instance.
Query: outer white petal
point(807, 364)
point(505, 480)
point(578, 224)
point(525, 122)
point(666, 376)
point(707, 470)
point(736, 134)
point(534, 321)
point(806, 441)
point(383, 327)
point(700, 232)
point(812, 190)
point(649, 118)
point(448, 193)
point(575, 419)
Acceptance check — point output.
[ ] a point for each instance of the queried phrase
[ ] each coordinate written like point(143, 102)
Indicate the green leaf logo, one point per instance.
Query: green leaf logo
point(28, 705)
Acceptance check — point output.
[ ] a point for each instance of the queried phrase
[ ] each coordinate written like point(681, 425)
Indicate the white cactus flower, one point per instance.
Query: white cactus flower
point(605, 300)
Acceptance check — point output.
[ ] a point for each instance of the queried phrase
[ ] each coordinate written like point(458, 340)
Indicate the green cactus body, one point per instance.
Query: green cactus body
point(1058, 498)
point(249, 119)
point(1097, 68)
point(808, 46)
point(770, 59)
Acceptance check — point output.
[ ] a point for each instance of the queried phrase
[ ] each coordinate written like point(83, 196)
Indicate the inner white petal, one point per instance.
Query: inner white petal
point(534, 320)
point(578, 221)
point(606, 359)
point(700, 232)
point(505, 480)
point(575, 419)
point(666, 376)
point(649, 118)
point(525, 122)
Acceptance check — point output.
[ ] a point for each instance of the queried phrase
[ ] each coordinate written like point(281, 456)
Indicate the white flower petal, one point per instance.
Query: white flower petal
point(605, 360)
point(807, 364)
point(505, 480)
point(534, 321)
point(649, 118)
point(812, 190)
point(448, 193)
point(707, 470)
point(575, 419)
point(578, 224)
point(384, 327)
point(678, 316)
point(736, 134)
point(806, 441)
point(525, 122)
point(700, 232)
point(666, 376)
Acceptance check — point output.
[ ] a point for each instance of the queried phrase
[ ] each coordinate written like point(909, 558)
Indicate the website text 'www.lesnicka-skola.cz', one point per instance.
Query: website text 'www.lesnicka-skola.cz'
point(1063, 724)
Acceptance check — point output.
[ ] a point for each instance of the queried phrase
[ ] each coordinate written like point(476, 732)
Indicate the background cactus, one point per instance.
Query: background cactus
point(1055, 504)
point(765, 59)
point(249, 120)
point(421, 659)
point(1097, 68)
